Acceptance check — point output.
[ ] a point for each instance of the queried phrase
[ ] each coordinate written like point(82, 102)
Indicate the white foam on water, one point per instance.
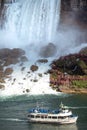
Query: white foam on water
point(22, 82)
point(13, 119)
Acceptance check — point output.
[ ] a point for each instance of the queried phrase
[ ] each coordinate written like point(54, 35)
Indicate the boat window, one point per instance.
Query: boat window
point(62, 117)
point(42, 116)
point(37, 116)
point(32, 116)
point(54, 117)
point(49, 116)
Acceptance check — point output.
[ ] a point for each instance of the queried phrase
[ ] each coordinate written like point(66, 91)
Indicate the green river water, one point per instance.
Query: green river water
point(14, 110)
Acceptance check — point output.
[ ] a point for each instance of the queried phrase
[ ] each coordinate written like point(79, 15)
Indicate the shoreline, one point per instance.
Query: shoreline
point(68, 90)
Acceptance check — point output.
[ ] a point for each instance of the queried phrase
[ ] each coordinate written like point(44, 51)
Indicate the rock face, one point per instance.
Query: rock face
point(74, 9)
point(74, 5)
point(69, 73)
point(9, 57)
point(74, 16)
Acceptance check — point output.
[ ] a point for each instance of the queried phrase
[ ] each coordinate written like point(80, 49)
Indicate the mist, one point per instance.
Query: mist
point(35, 24)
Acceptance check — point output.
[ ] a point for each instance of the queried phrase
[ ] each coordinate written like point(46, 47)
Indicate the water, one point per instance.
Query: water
point(28, 23)
point(32, 24)
point(33, 21)
point(13, 111)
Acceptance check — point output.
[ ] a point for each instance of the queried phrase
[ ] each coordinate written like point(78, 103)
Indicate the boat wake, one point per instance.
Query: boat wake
point(13, 119)
point(82, 107)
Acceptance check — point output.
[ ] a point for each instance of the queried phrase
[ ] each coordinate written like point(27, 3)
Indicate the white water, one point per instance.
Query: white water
point(31, 24)
point(24, 81)
point(13, 119)
point(34, 21)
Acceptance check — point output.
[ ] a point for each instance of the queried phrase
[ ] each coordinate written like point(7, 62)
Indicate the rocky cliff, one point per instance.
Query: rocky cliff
point(77, 9)
point(74, 16)
point(9, 57)
point(68, 5)
point(69, 73)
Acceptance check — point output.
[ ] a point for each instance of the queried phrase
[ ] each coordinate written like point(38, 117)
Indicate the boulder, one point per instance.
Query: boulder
point(42, 61)
point(10, 60)
point(48, 51)
point(2, 86)
point(34, 68)
point(17, 52)
point(8, 71)
point(5, 52)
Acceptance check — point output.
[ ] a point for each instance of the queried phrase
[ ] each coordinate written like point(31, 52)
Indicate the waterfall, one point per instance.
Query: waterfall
point(33, 21)
point(30, 24)
point(33, 24)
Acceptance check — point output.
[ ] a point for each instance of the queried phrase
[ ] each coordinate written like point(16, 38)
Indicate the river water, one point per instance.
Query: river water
point(22, 23)
point(14, 110)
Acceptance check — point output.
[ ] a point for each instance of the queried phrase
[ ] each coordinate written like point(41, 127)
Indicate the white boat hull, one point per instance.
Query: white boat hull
point(69, 120)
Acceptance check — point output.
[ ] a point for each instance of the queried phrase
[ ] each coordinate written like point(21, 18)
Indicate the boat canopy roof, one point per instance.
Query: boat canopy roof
point(41, 110)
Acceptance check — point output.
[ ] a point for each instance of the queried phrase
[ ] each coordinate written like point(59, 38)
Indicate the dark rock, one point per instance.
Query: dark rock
point(40, 75)
point(1, 74)
point(24, 78)
point(27, 90)
point(45, 73)
point(14, 79)
point(35, 80)
point(2, 86)
point(5, 52)
point(2, 80)
point(34, 68)
point(48, 51)
point(10, 60)
point(11, 56)
point(16, 52)
point(8, 71)
point(42, 61)
point(23, 68)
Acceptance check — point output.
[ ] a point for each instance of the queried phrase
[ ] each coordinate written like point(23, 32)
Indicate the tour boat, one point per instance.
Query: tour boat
point(60, 116)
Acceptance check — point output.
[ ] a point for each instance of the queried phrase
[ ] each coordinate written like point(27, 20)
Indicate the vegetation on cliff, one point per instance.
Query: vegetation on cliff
point(70, 72)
